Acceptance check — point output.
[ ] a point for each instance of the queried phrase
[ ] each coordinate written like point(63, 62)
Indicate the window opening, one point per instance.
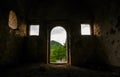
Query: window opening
point(85, 29)
point(34, 30)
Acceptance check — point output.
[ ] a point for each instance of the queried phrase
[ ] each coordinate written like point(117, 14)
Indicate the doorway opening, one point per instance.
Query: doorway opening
point(58, 46)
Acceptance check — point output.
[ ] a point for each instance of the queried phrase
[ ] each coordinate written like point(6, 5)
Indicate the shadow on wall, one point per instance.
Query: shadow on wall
point(98, 59)
point(89, 52)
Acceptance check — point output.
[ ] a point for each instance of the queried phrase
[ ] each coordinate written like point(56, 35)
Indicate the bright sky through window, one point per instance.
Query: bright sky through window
point(34, 30)
point(58, 34)
point(85, 29)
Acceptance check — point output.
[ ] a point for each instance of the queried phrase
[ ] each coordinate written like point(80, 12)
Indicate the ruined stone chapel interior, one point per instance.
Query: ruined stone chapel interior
point(25, 33)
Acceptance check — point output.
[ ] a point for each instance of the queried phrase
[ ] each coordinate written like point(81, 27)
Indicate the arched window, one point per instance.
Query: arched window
point(58, 47)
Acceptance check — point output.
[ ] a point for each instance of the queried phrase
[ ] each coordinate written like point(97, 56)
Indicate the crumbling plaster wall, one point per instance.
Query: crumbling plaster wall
point(107, 30)
point(3, 33)
point(102, 48)
point(84, 49)
point(59, 12)
point(10, 44)
point(11, 41)
point(37, 45)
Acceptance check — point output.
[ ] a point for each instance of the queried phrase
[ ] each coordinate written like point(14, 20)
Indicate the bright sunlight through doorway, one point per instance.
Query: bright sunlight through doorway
point(58, 45)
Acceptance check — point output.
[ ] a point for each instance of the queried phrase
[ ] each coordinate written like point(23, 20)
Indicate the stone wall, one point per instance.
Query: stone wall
point(17, 47)
point(107, 30)
point(86, 50)
point(37, 46)
point(11, 40)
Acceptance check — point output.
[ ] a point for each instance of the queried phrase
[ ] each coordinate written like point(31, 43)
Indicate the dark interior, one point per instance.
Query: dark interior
point(99, 51)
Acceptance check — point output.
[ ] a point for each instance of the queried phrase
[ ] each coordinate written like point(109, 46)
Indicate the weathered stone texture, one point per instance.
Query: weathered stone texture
point(107, 17)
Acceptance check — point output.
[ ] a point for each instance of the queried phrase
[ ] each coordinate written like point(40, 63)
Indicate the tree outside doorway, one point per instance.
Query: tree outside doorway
point(58, 47)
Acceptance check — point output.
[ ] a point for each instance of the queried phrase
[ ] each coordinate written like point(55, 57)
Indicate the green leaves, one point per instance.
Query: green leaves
point(57, 52)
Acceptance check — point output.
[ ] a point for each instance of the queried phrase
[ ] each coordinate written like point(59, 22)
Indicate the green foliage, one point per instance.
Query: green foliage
point(57, 51)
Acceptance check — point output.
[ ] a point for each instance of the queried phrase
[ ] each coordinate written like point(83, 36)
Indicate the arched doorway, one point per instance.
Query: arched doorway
point(58, 45)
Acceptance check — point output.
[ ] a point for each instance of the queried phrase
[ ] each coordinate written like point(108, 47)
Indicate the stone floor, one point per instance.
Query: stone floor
point(36, 70)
